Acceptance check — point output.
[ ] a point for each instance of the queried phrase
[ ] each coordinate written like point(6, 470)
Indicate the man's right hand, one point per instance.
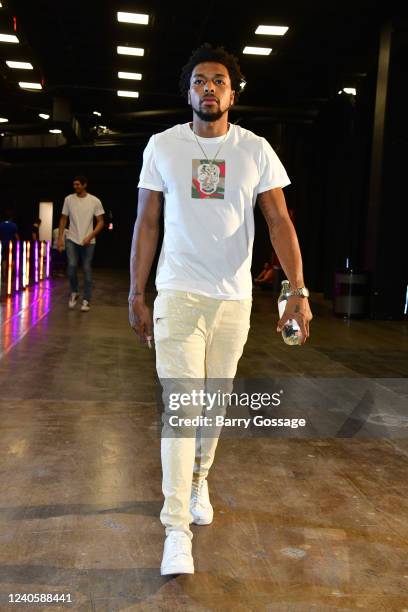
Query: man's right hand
point(140, 318)
point(60, 245)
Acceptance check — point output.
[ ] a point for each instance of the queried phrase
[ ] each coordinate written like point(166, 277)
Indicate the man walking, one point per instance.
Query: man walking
point(210, 174)
point(80, 208)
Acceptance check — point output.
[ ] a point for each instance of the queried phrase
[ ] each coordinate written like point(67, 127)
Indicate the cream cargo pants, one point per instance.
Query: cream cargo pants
point(197, 339)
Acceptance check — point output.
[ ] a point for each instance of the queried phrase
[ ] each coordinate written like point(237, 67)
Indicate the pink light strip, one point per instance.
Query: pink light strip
point(36, 262)
point(24, 282)
point(47, 266)
point(28, 263)
point(18, 265)
point(10, 267)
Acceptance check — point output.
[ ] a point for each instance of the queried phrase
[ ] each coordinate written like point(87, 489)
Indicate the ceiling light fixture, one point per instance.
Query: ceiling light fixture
point(97, 113)
point(271, 30)
point(138, 18)
point(257, 51)
point(25, 85)
point(43, 116)
point(55, 131)
point(3, 120)
point(135, 76)
point(9, 38)
point(350, 90)
point(128, 94)
point(20, 65)
point(130, 51)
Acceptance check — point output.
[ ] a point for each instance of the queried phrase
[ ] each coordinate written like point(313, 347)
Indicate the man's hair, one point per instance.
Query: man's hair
point(81, 178)
point(207, 53)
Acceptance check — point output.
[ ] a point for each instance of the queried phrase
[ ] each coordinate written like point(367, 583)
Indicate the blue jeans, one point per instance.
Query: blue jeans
point(74, 253)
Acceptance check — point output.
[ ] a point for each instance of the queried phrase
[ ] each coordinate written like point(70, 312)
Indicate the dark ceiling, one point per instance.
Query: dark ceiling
point(72, 46)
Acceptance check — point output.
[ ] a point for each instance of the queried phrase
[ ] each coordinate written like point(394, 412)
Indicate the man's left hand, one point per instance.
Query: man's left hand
point(87, 241)
point(297, 308)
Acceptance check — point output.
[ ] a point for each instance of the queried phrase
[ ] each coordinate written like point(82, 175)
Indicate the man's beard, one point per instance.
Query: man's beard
point(211, 115)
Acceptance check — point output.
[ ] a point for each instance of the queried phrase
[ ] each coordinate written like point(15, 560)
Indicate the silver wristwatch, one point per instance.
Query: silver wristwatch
point(300, 292)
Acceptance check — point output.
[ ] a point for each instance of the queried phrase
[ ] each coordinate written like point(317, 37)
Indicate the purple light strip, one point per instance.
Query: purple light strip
point(28, 263)
point(36, 262)
point(18, 265)
point(47, 267)
point(24, 264)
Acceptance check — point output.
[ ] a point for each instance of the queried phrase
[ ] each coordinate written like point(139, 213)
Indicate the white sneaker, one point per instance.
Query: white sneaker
point(200, 505)
point(177, 557)
point(73, 298)
point(85, 306)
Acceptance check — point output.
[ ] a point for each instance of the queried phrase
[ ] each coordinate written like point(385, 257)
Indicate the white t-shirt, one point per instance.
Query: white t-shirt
point(209, 211)
point(81, 212)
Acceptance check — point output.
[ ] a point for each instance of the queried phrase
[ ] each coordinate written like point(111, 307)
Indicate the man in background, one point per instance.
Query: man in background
point(35, 229)
point(80, 208)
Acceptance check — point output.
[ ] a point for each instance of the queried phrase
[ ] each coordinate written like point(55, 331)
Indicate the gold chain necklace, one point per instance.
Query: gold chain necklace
point(211, 162)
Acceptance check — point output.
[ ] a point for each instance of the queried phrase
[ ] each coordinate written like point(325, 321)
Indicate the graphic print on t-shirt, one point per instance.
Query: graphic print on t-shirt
point(208, 180)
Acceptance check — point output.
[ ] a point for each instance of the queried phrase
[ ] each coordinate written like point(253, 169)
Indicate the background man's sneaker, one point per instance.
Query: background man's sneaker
point(177, 557)
point(200, 505)
point(73, 298)
point(85, 306)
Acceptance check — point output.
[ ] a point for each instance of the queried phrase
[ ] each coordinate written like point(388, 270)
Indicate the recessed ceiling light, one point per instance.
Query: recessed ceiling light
point(350, 90)
point(44, 116)
point(128, 94)
point(133, 18)
point(97, 113)
point(257, 51)
point(271, 30)
point(135, 76)
point(25, 85)
point(55, 131)
point(20, 65)
point(130, 51)
point(3, 120)
point(10, 38)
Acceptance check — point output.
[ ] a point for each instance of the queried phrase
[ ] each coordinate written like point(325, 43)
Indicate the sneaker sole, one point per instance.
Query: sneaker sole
point(176, 569)
point(199, 521)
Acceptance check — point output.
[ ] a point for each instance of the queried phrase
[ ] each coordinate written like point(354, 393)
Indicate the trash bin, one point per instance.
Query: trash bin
point(351, 293)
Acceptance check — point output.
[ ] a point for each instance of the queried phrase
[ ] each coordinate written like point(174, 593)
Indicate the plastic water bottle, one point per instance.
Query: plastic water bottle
point(291, 333)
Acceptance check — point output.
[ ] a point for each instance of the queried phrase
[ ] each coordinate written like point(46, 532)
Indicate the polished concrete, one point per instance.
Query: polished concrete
point(301, 525)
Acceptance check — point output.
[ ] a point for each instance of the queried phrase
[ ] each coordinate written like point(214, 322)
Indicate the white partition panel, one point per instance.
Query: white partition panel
point(45, 214)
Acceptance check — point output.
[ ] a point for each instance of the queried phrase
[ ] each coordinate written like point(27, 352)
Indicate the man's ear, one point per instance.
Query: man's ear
point(188, 97)
point(232, 97)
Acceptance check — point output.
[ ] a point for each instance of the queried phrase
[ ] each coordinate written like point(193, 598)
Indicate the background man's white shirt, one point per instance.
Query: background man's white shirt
point(81, 213)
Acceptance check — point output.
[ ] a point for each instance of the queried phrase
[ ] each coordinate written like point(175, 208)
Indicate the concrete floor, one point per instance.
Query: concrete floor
point(301, 525)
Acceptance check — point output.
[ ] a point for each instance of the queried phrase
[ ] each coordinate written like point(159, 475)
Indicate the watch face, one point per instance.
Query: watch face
point(302, 291)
